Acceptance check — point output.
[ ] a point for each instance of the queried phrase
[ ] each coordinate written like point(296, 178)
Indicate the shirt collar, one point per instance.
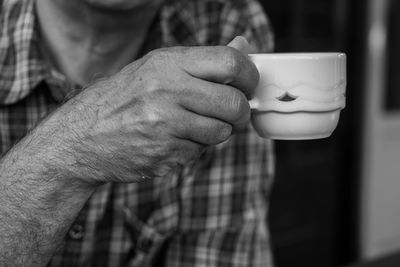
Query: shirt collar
point(22, 66)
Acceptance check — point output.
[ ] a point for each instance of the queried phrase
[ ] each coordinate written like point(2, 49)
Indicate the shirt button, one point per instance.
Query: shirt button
point(76, 232)
point(145, 245)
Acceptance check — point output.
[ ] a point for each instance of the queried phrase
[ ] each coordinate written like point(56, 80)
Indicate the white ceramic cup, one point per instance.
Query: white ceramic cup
point(299, 95)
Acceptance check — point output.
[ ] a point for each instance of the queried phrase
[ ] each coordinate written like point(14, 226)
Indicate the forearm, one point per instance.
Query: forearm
point(40, 196)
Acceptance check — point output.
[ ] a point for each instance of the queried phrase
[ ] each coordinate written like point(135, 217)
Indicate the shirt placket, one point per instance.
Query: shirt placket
point(148, 241)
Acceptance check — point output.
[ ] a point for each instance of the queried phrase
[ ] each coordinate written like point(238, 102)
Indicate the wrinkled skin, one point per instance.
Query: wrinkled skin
point(158, 113)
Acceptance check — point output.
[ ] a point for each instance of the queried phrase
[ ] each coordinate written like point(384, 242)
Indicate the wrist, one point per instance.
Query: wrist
point(51, 150)
point(41, 193)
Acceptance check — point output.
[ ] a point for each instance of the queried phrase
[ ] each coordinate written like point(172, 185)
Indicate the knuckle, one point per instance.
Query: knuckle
point(153, 125)
point(153, 118)
point(159, 56)
point(157, 92)
point(157, 52)
point(154, 85)
point(165, 53)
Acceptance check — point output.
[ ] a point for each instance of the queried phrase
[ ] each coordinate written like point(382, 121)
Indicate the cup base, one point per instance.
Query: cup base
point(296, 125)
point(294, 138)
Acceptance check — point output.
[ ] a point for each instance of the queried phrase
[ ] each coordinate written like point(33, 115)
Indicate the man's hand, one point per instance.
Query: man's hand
point(155, 115)
point(158, 113)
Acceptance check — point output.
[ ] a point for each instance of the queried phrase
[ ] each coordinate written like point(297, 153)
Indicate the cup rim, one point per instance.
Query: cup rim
point(305, 55)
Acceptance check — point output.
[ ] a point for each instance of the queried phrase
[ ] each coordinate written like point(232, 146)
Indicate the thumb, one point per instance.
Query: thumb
point(240, 43)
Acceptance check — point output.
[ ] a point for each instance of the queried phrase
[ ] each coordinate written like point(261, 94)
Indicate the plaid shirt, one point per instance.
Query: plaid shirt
point(212, 213)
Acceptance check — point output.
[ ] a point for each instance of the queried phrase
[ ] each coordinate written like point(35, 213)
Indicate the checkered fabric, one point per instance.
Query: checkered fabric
point(211, 213)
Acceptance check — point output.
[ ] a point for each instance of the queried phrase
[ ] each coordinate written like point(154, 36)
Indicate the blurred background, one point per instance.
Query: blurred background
point(336, 201)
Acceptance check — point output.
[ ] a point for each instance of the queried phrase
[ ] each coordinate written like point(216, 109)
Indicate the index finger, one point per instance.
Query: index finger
point(221, 64)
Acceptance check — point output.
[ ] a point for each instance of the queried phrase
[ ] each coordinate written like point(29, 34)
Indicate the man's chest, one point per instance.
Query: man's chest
point(17, 119)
